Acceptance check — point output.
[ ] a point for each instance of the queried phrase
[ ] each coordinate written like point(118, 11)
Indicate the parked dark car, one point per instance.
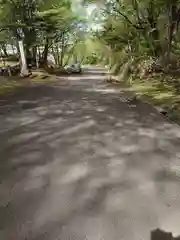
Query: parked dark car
point(74, 68)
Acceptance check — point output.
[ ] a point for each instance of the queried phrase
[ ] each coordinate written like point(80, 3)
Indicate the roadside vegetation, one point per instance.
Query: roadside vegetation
point(140, 43)
point(138, 40)
point(54, 36)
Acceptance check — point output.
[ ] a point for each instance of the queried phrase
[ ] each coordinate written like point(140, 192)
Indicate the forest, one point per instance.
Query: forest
point(137, 40)
point(140, 42)
point(46, 27)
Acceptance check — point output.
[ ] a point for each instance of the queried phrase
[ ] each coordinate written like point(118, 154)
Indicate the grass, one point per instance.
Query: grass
point(161, 91)
point(8, 64)
point(9, 85)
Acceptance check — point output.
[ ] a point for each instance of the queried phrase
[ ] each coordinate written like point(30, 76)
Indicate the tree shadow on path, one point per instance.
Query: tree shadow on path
point(77, 160)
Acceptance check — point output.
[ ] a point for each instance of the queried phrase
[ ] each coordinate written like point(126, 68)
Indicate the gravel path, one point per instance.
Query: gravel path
point(79, 162)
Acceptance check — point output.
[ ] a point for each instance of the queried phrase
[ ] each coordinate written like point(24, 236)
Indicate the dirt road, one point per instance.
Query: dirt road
point(79, 162)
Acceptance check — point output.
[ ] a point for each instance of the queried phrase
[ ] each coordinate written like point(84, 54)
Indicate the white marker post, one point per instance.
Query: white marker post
point(24, 70)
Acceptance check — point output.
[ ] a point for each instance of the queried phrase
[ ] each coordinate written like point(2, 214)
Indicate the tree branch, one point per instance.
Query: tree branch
point(128, 20)
point(117, 7)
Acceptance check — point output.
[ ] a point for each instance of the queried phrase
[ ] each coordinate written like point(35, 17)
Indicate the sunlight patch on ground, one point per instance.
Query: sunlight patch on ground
point(147, 132)
point(23, 137)
point(84, 77)
point(16, 120)
point(101, 109)
point(75, 173)
point(79, 127)
point(110, 90)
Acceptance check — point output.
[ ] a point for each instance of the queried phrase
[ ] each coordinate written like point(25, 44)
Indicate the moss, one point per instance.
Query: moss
point(43, 79)
point(9, 85)
point(161, 91)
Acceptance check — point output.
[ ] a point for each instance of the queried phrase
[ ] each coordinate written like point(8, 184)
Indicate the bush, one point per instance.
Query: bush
point(12, 58)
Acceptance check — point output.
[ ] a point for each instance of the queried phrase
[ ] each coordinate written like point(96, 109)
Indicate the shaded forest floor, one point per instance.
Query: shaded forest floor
point(160, 90)
point(9, 85)
point(76, 153)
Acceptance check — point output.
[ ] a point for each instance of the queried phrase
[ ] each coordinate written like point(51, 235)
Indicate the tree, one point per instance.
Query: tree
point(43, 23)
point(139, 29)
point(56, 26)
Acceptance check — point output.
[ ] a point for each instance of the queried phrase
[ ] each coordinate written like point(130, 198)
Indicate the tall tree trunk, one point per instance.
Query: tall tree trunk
point(173, 21)
point(62, 50)
point(152, 20)
point(34, 56)
point(45, 53)
point(4, 50)
point(57, 54)
point(17, 47)
point(13, 51)
point(39, 52)
point(69, 56)
point(54, 55)
point(28, 56)
point(24, 70)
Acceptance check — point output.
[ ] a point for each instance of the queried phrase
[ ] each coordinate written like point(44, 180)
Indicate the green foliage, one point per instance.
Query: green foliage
point(43, 23)
point(138, 29)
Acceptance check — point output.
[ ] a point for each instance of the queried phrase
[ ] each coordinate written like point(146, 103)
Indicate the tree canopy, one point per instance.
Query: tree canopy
point(40, 23)
point(138, 29)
